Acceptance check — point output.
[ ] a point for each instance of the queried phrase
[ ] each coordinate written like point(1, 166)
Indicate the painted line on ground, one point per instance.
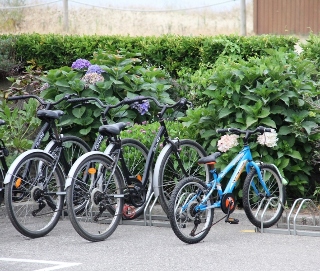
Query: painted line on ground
point(58, 265)
point(247, 231)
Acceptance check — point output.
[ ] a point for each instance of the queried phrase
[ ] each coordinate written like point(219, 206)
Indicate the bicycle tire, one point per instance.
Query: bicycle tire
point(135, 156)
point(252, 199)
point(73, 147)
point(89, 221)
point(34, 207)
point(169, 174)
point(183, 221)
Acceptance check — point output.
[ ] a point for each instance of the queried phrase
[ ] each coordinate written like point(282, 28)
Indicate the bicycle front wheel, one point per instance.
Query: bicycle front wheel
point(34, 195)
point(261, 207)
point(177, 165)
point(135, 157)
point(95, 197)
point(189, 225)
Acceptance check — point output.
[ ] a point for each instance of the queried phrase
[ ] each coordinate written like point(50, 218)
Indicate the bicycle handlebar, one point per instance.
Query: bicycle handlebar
point(128, 101)
point(237, 131)
point(43, 102)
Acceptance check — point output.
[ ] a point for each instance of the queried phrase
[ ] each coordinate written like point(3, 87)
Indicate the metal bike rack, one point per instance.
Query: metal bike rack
point(149, 219)
point(292, 226)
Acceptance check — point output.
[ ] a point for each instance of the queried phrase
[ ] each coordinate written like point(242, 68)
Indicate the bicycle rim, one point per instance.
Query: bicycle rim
point(183, 218)
point(256, 204)
point(135, 157)
point(33, 195)
point(170, 172)
point(94, 199)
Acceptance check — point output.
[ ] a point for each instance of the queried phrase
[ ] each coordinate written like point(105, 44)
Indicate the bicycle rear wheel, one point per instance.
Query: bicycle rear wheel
point(33, 196)
point(170, 171)
point(95, 196)
point(187, 224)
point(73, 148)
point(135, 157)
point(255, 198)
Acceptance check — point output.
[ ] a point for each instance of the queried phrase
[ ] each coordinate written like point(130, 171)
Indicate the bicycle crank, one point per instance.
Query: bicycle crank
point(137, 195)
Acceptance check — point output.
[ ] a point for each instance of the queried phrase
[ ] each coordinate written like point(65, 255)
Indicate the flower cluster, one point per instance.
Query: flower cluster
point(141, 107)
point(94, 69)
point(268, 138)
point(226, 142)
point(92, 78)
point(80, 64)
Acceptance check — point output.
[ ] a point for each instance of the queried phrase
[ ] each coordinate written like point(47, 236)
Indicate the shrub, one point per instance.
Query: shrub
point(122, 77)
point(265, 91)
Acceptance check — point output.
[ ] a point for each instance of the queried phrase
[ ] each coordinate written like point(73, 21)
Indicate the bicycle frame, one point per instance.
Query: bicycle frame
point(242, 160)
point(151, 154)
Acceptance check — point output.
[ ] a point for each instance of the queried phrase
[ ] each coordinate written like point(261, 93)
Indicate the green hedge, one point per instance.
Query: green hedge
point(52, 51)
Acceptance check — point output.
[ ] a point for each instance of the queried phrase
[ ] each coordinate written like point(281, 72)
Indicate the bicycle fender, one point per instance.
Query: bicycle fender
point(76, 164)
point(17, 161)
point(157, 168)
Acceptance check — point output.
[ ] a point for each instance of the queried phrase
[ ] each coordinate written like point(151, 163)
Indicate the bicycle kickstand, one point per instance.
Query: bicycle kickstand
point(229, 219)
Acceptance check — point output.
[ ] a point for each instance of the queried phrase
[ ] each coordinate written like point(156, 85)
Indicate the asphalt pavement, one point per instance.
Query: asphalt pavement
point(139, 247)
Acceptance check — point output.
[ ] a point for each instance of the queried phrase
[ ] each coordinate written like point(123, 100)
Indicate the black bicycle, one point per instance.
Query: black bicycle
point(4, 167)
point(100, 186)
point(34, 183)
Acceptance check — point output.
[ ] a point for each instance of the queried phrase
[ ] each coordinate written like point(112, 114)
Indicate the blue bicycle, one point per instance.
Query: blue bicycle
point(192, 203)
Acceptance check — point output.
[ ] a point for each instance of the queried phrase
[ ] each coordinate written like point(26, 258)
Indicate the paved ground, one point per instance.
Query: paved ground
point(135, 247)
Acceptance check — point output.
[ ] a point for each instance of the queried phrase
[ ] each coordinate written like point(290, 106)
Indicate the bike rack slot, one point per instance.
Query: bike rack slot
point(148, 219)
point(292, 226)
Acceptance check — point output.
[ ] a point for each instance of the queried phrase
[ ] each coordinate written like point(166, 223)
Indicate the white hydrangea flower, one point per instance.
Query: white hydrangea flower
point(92, 78)
point(226, 142)
point(268, 138)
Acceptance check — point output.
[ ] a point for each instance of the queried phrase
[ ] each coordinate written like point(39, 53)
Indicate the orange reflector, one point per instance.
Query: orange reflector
point(139, 177)
point(18, 183)
point(92, 170)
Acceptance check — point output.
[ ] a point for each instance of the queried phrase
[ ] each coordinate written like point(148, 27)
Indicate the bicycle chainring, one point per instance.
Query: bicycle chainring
point(137, 195)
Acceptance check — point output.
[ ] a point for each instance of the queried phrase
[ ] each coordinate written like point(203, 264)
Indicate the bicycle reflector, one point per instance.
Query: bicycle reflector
point(92, 170)
point(139, 177)
point(18, 183)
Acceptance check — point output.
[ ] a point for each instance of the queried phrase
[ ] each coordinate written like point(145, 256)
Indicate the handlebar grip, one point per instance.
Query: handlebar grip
point(13, 98)
point(77, 100)
point(222, 131)
point(262, 129)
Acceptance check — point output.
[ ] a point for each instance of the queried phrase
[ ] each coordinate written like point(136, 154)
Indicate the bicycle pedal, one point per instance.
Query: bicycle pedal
point(232, 220)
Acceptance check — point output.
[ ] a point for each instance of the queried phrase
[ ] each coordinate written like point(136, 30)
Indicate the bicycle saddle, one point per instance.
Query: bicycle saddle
point(209, 159)
point(49, 114)
point(112, 129)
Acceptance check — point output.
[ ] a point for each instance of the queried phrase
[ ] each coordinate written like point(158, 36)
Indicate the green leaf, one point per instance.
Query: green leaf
point(224, 112)
point(284, 130)
point(308, 125)
point(78, 111)
point(250, 121)
point(268, 122)
point(295, 154)
point(85, 131)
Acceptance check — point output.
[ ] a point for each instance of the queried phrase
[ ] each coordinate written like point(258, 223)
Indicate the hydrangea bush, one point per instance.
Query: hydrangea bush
point(111, 77)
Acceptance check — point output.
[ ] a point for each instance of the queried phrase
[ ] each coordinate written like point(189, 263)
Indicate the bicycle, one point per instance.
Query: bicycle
point(107, 184)
point(193, 202)
point(4, 167)
point(134, 153)
point(34, 183)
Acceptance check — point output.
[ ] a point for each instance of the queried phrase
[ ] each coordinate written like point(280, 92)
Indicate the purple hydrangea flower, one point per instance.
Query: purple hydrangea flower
point(141, 107)
point(81, 64)
point(95, 69)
